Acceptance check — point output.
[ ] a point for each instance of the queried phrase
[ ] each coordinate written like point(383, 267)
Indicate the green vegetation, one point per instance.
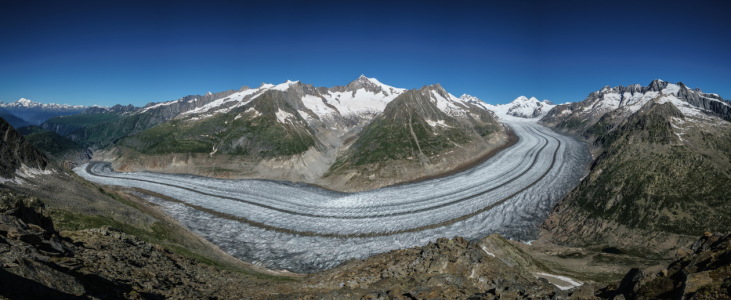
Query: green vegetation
point(171, 137)
point(648, 178)
point(402, 132)
point(83, 119)
point(48, 141)
point(101, 129)
point(260, 136)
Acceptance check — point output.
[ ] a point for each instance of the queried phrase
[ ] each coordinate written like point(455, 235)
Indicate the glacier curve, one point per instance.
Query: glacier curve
point(302, 228)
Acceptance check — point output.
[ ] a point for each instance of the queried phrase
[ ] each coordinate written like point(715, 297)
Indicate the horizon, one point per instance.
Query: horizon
point(89, 53)
point(264, 83)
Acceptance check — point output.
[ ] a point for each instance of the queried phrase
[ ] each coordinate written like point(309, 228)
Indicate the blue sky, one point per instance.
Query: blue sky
point(109, 52)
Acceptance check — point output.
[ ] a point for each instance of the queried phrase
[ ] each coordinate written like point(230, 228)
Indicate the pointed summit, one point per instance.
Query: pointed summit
point(363, 82)
point(658, 84)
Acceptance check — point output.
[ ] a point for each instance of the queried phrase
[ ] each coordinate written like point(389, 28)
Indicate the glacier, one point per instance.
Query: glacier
point(302, 228)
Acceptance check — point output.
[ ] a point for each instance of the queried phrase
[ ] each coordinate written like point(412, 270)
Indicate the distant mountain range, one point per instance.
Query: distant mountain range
point(523, 107)
point(658, 180)
point(25, 112)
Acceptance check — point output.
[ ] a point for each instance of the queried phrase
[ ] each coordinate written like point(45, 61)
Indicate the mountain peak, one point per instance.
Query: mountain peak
point(367, 80)
point(363, 82)
point(24, 103)
point(469, 98)
point(282, 86)
point(658, 84)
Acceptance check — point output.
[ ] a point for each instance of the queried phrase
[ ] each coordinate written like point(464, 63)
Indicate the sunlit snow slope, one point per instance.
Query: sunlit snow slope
point(303, 228)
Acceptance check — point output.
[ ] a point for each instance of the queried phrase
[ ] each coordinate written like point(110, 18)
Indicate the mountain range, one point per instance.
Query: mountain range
point(660, 171)
point(297, 132)
point(25, 112)
point(661, 162)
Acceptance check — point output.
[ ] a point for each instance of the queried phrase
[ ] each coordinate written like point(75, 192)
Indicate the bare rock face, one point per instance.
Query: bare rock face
point(28, 244)
point(702, 272)
point(15, 152)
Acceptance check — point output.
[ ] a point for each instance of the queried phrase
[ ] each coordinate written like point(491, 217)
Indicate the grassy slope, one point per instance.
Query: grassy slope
point(250, 135)
point(48, 141)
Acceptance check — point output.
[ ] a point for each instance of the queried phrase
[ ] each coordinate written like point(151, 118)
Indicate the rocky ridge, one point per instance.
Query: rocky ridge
point(661, 162)
point(16, 153)
point(298, 132)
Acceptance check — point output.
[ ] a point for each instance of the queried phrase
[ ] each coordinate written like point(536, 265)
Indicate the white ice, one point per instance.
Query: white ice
point(302, 228)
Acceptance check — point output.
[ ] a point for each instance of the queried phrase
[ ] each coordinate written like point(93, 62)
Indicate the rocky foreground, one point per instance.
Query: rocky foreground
point(40, 262)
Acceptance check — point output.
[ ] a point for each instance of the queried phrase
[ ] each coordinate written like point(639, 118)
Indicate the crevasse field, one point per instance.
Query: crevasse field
point(302, 228)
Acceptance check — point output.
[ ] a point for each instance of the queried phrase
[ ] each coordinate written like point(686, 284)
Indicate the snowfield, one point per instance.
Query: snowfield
point(302, 228)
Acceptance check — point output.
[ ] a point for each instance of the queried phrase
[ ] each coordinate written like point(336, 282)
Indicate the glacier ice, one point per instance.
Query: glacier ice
point(302, 228)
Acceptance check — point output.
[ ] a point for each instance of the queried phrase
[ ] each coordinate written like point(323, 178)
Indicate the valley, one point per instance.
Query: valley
point(293, 191)
point(258, 220)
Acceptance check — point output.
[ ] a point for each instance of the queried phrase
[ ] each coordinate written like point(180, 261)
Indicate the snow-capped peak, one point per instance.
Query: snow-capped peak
point(363, 78)
point(27, 103)
point(523, 100)
point(468, 98)
point(284, 86)
point(522, 107)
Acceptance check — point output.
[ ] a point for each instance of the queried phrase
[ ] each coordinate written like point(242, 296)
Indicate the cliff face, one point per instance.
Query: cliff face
point(16, 152)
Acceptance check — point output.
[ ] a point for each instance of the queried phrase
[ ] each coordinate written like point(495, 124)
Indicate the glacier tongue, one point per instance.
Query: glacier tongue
point(303, 228)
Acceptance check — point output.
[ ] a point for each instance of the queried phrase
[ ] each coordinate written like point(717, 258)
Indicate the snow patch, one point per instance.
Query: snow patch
point(671, 89)
point(283, 116)
point(436, 123)
point(488, 252)
point(683, 107)
point(160, 105)
point(28, 172)
point(562, 282)
point(284, 86)
point(256, 112)
point(317, 105)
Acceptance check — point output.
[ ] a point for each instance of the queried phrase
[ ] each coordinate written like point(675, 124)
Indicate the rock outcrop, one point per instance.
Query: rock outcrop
point(445, 269)
point(35, 263)
point(16, 152)
point(702, 272)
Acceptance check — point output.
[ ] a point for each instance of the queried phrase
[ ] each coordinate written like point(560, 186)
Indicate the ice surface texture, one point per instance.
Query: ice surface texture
point(303, 228)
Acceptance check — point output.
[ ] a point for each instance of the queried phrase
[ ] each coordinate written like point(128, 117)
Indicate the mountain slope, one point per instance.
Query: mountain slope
point(16, 152)
point(660, 173)
point(12, 119)
point(55, 146)
point(270, 126)
point(295, 131)
point(423, 129)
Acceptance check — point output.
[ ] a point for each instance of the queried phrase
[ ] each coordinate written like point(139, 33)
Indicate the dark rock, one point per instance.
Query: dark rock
point(15, 151)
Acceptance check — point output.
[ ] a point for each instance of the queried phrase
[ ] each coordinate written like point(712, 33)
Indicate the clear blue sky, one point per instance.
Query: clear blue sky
point(109, 52)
